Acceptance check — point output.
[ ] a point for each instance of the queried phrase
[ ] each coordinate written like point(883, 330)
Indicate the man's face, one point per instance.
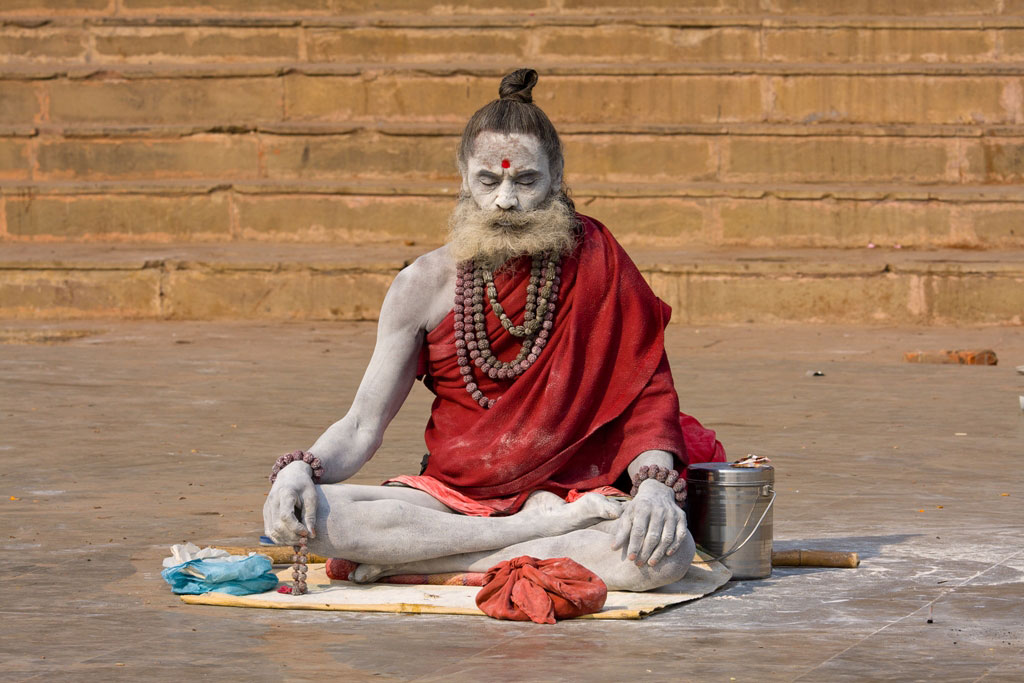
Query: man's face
point(508, 172)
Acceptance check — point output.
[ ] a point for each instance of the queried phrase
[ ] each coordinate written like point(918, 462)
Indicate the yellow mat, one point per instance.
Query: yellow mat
point(704, 576)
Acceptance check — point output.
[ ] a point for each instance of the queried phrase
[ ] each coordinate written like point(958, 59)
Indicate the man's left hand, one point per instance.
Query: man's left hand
point(652, 523)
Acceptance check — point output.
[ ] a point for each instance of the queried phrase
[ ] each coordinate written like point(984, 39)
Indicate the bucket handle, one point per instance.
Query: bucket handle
point(737, 547)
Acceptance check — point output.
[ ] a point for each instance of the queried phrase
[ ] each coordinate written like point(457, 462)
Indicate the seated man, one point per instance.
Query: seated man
point(544, 347)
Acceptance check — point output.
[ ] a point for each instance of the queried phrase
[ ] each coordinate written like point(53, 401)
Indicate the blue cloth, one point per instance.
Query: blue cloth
point(232, 575)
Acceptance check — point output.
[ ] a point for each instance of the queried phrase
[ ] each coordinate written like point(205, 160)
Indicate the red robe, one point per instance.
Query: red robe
point(600, 393)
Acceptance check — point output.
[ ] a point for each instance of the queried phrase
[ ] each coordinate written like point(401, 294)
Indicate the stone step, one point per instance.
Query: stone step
point(704, 123)
point(651, 215)
point(225, 96)
point(447, 8)
point(551, 40)
point(309, 282)
point(481, 68)
point(756, 154)
point(667, 215)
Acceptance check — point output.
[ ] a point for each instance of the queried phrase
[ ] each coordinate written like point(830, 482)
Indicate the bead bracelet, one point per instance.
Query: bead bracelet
point(298, 456)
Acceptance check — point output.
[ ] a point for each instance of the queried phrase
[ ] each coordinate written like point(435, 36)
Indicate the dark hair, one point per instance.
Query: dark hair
point(514, 112)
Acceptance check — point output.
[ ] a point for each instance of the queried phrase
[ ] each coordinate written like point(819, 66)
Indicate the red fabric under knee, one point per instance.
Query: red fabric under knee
point(339, 569)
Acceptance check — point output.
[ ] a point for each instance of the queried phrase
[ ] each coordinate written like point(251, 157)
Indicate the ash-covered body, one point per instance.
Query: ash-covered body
point(539, 445)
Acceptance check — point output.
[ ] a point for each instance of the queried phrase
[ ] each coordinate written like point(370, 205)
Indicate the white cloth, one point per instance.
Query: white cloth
point(186, 552)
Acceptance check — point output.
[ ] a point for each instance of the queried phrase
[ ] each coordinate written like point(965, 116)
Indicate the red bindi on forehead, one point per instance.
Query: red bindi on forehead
point(505, 163)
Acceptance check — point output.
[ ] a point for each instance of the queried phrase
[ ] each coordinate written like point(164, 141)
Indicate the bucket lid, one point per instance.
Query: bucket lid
point(724, 474)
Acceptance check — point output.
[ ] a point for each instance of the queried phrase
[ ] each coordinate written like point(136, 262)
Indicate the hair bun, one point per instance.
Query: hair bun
point(518, 86)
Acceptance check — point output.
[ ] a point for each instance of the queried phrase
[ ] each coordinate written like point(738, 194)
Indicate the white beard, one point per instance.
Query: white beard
point(490, 238)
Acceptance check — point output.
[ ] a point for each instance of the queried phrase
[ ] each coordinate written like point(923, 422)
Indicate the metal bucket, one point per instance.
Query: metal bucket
point(729, 513)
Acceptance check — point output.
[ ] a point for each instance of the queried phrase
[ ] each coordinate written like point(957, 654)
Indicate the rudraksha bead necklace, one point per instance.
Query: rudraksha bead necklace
point(471, 343)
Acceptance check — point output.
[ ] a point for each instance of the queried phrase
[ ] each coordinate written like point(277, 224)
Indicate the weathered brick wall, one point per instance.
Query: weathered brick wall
point(777, 123)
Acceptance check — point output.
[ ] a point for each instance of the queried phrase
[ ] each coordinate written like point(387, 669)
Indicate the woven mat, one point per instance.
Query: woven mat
point(705, 576)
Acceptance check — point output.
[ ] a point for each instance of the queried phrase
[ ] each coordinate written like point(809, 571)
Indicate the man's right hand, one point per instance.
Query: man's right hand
point(292, 498)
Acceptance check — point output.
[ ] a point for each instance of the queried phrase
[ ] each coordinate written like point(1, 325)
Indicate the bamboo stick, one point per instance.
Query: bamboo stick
point(278, 554)
point(815, 558)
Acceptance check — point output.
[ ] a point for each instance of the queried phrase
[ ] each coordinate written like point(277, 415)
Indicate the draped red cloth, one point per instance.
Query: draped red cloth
point(542, 591)
point(600, 393)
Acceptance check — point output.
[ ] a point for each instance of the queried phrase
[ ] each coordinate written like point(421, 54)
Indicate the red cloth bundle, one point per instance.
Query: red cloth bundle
point(525, 588)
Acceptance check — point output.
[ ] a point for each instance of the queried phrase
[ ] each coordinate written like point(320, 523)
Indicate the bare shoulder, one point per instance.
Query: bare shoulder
point(422, 291)
point(434, 268)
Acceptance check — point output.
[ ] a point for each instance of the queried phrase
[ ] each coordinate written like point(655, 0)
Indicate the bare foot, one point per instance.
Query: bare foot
point(580, 514)
point(593, 508)
point(543, 500)
point(368, 573)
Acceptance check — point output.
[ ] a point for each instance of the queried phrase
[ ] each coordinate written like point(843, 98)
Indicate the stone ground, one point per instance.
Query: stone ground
point(121, 438)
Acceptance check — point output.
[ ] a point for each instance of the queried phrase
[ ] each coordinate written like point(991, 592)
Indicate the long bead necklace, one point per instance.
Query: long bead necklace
point(471, 343)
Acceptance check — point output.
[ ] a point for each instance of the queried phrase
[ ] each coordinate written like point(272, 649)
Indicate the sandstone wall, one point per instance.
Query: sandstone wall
point(689, 125)
point(731, 122)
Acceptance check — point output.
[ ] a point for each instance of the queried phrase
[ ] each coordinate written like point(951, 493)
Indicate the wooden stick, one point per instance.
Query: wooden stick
point(954, 357)
point(815, 558)
point(278, 554)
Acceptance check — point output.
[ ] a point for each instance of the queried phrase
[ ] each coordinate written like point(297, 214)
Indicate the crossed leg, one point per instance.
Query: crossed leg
point(394, 530)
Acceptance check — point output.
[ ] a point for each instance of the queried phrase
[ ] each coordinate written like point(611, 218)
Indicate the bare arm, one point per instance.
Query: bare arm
point(418, 300)
point(351, 441)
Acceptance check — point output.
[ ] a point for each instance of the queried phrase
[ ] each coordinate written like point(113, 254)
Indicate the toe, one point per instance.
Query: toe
point(366, 573)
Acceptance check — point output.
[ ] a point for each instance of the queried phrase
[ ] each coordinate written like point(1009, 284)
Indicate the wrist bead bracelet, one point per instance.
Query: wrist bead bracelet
point(298, 456)
point(666, 476)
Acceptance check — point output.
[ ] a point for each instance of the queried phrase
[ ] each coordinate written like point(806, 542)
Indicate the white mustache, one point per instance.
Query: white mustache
point(492, 237)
